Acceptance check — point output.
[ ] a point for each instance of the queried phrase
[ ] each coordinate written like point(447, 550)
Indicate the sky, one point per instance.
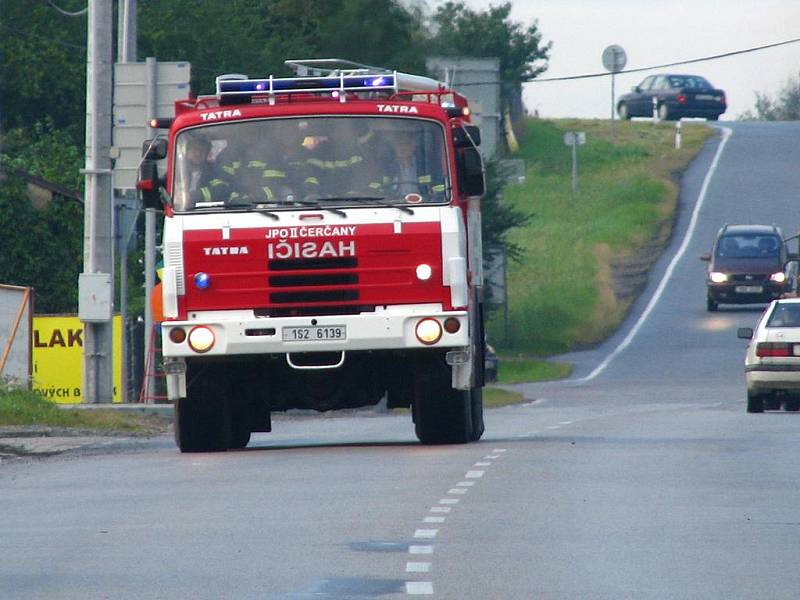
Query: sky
point(654, 32)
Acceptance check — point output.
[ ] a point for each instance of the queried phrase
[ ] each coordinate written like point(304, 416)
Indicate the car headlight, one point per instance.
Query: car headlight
point(780, 277)
point(717, 277)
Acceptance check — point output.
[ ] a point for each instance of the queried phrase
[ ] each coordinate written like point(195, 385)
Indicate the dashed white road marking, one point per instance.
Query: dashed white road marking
point(498, 450)
point(441, 509)
point(457, 491)
point(418, 567)
point(419, 588)
point(465, 483)
point(554, 426)
point(425, 533)
point(565, 422)
point(448, 501)
point(482, 464)
point(492, 456)
point(419, 549)
point(433, 520)
point(474, 474)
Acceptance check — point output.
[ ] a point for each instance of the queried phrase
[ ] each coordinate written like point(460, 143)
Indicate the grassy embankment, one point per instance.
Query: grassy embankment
point(562, 295)
point(22, 408)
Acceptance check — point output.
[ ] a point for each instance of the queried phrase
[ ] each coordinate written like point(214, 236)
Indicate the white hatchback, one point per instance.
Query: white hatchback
point(772, 363)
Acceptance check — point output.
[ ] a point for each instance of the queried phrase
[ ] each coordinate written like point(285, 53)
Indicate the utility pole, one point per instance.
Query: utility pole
point(126, 53)
point(96, 283)
point(149, 241)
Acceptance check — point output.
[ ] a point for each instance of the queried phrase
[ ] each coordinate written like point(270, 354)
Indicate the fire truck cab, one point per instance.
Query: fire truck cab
point(322, 250)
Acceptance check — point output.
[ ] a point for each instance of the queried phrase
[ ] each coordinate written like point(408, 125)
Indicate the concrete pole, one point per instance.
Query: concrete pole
point(126, 53)
point(149, 242)
point(98, 248)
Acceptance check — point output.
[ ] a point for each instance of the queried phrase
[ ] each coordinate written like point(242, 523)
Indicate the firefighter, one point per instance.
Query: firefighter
point(405, 173)
point(198, 171)
point(273, 172)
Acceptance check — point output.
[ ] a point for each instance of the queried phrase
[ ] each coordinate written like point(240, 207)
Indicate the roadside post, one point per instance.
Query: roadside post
point(678, 134)
point(575, 139)
point(655, 110)
point(614, 60)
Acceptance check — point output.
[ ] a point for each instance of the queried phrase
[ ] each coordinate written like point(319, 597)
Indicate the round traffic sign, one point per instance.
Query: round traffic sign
point(614, 58)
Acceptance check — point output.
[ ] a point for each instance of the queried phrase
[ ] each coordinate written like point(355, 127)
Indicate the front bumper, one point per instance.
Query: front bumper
point(725, 293)
point(240, 332)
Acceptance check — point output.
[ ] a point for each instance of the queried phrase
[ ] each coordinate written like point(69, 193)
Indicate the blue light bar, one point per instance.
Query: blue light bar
point(286, 85)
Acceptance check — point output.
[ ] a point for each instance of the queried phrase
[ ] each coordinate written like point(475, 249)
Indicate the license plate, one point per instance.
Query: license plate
point(797, 349)
point(749, 289)
point(705, 97)
point(317, 333)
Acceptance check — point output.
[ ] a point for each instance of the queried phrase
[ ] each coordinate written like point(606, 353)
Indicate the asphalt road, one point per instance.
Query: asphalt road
point(642, 477)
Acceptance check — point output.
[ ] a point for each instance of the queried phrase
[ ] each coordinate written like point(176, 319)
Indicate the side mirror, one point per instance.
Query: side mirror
point(705, 257)
point(154, 149)
point(149, 184)
point(466, 136)
point(636, 89)
point(746, 333)
point(470, 173)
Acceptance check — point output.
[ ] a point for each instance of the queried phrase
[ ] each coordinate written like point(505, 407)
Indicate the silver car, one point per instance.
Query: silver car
point(772, 363)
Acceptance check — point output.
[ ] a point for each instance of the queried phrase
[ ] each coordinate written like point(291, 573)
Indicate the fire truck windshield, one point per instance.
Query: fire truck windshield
point(332, 161)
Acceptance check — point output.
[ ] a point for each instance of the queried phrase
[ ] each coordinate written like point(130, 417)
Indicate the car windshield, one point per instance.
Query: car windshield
point(785, 315)
point(748, 246)
point(332, 161)
point(689, 82)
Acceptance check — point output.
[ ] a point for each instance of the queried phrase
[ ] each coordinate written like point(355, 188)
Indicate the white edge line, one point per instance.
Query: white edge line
point(726, 133)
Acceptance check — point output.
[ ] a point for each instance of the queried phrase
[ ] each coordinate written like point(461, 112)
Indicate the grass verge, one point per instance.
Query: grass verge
point(563, 295)
point(23, 408)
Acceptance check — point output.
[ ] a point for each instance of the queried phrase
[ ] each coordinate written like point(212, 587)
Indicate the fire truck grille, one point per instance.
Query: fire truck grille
point(304, 280)
point(334, 276)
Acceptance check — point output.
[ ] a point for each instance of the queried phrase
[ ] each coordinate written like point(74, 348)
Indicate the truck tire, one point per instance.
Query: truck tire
point(476, 406)
point(200, 418)
point(442, 415)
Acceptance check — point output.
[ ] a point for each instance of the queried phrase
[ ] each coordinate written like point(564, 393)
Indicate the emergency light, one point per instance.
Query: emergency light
point(285, 85)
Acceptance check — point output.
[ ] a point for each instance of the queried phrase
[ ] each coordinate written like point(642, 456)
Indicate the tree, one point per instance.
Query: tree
point(786, 107)
point(458, 30)
point(43, 66)
point(42, 247)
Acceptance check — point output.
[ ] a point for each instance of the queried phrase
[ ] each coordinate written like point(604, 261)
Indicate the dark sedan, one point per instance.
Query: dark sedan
point(675, 96)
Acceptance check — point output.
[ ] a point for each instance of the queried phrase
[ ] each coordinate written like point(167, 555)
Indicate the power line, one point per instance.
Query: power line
point(25, 34)
point(672, 64)
point(639, 69)
point(78, 13)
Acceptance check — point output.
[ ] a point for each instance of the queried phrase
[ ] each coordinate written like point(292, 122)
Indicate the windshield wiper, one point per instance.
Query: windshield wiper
point(252, 206)
point(316, 204)
point(370, 200)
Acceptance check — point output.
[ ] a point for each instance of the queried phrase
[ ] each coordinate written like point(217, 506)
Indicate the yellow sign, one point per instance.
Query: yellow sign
point(58, 358)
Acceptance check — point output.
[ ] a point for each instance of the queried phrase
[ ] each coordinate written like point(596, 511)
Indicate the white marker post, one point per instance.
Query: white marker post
point(574, 139)
point(678, 134)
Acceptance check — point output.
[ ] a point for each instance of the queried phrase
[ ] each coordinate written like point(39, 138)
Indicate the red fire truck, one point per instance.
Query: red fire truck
point(324, 252)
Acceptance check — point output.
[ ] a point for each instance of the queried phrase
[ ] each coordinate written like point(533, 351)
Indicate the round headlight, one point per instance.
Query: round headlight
point(424, 272)
point(201, 339)
point(429, 331)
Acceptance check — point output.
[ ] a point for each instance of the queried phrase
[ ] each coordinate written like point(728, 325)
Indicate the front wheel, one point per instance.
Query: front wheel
point(663, 112)
point(442, 415)
point(622, 111)
point(711, 306)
